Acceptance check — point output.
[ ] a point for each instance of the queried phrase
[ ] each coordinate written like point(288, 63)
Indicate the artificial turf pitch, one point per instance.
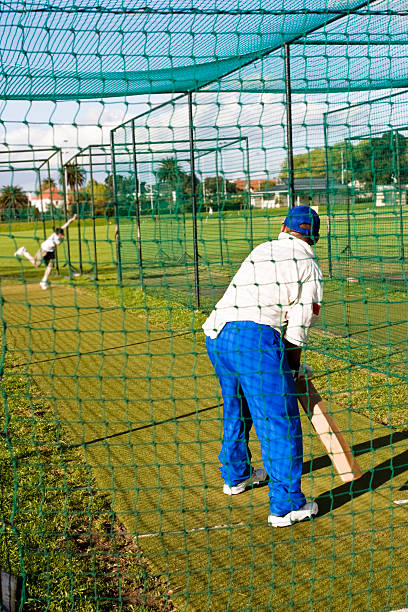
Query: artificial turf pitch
point(144, 406)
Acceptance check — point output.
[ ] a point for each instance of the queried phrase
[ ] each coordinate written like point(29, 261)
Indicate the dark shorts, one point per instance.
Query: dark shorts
point(48, 256)
point(44, 256)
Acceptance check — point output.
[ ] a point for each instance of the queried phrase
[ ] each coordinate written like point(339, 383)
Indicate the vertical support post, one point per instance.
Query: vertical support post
point(348, 157)
point(251, 231)
point(52, 211)
point(289, 127)
point(398, 170)
point(193, 198)
point(328, 208)
point(137, 201)
point(116, 210)
point(76, 198)
point(3, 340)
point(93, 214)
point(64, 192)
point(218, 206)
point(42, 204)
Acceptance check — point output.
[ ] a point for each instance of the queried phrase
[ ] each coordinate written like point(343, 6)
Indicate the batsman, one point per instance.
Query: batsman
point(255, 336)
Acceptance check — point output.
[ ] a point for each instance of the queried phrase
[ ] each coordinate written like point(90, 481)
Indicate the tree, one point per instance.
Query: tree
point(178, 181)
point(170, 172)
point(264, 185)
point(381, 160)
point(307, 164)
point(48, 183)
point(99, 193)
point(13, 197)
point(124, 186)
point(75, 177)
point(219, 184)
point(213, 185)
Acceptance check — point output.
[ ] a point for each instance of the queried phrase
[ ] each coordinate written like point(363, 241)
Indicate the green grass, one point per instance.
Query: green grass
point(368, 318)
point(348, 370)
point(141, 401)
point(58, 533)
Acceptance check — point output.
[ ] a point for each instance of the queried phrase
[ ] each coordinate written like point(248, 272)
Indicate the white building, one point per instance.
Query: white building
point(43, 200)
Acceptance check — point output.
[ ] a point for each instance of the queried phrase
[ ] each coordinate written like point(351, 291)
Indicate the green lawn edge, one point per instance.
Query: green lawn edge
point(59, 534)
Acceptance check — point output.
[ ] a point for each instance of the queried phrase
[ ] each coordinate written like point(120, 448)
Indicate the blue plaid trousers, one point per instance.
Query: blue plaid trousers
point(258, 389)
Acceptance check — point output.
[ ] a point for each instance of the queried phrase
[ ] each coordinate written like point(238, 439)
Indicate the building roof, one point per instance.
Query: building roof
point(48, 194)
point(308, 184)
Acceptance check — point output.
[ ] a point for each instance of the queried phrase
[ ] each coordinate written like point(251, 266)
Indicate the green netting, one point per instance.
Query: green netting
point(112, 415)
point(367, 166)
point(54, 51)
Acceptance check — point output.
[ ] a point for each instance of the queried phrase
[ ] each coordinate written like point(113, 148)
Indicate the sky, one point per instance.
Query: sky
point(258, 119)
point(51, 49)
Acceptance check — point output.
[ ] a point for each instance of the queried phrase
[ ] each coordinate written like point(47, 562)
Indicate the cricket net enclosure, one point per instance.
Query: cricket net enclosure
point(176, 136)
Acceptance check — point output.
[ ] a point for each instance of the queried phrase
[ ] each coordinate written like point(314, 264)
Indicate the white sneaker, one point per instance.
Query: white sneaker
point(258, 475)
point(305, 512)
point(44, 285)
point(19, 252)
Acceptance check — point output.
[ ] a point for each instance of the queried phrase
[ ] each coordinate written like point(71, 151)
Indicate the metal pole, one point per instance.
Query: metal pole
point(398, 169)
point(328, 211)
point(348, 199)
point(76, 197)
point(42, 205)
point(251, 232)
point(52, 211)
point(137, 200)
point(64, 191)
point(289, 127)
point(193, 198)
point(218, 206)
point(93, 213)
point(115, 207)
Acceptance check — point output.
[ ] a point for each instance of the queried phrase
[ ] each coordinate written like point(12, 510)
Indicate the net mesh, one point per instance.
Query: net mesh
point(157, 136)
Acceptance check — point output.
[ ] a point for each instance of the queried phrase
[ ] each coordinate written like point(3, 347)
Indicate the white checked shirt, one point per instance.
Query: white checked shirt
point(279, 284)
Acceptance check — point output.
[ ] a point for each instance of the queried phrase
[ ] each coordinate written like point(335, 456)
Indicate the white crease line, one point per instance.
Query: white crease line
point(164, 533)
point(401, 502)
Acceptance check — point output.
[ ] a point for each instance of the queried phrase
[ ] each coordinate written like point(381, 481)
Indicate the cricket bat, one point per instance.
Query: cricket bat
point(328, 431)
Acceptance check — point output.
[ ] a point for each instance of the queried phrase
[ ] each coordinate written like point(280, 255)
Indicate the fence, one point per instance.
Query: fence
point(367, 215)
point(213, 117)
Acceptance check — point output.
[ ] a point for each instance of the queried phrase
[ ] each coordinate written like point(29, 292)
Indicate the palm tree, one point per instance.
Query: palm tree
point(75, 177)
point(169, 171)
point(13, 197)
point(48, 183)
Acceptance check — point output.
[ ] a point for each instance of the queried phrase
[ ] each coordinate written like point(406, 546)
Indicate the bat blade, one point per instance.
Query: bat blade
point(328, 431)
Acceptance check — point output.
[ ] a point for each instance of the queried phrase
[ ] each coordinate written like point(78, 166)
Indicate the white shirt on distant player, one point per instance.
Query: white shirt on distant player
point(279, 284)
point(51, 243)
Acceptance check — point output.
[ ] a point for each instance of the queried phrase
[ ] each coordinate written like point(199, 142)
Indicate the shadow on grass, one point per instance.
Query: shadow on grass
point(370, 481)
point(317, 463)
point(327, 501)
